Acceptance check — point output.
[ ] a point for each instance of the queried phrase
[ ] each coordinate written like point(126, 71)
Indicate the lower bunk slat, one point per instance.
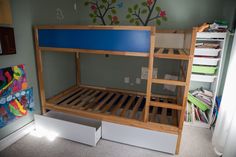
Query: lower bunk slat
point(121, 106)
point(115, 119)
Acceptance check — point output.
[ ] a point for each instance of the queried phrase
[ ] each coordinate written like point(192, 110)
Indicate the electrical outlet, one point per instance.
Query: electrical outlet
point(138, 80)
point(144, 73)
point(126, 80)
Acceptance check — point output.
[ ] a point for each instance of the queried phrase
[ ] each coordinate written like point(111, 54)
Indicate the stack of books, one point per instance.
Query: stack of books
point(193, 114)
point(200, 101)
point(203, 95)
point(207, 45)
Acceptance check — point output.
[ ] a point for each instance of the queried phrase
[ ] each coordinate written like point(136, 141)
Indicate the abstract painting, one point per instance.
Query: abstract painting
point(12, 80)
point(16, 99)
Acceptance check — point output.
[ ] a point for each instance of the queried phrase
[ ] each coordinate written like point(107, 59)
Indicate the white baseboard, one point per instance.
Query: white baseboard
point(12, 138)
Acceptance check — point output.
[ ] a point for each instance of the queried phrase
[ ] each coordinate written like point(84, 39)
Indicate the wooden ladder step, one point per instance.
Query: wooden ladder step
point(165, 105)
point(169, 82)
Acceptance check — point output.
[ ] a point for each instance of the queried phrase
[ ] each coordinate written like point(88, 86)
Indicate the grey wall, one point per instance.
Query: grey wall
point(25, 55)
point(97, 70)
point(59, 69)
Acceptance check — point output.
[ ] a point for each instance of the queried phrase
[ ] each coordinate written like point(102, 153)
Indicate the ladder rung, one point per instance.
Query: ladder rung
point(169, 82)
point(165, 105)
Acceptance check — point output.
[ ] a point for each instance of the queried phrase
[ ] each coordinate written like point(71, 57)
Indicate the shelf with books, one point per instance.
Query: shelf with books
point(207, 68)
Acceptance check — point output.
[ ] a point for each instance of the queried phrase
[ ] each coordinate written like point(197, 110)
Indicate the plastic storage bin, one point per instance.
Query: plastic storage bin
point(203, 78)
point(205, 61)
point(75, 128)
point(203, 69)
point(206, 52)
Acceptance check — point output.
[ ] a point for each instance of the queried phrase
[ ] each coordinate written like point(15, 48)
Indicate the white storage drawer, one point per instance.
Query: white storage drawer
point(70, 127)
point(205, 61)
point(211, 35)
point(144, 138)
point(203, 78)
point(206, 52)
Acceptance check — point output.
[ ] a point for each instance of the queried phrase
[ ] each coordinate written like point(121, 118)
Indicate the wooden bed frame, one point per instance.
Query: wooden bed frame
point(144, 110)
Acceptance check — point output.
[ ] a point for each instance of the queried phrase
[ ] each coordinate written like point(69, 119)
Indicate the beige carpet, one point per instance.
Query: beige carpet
point(196, 142)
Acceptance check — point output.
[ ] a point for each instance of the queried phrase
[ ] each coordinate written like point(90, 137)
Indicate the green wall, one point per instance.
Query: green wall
point(59, 69)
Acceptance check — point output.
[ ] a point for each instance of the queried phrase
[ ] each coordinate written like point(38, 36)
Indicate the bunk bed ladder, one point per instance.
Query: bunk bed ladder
point(183, 83)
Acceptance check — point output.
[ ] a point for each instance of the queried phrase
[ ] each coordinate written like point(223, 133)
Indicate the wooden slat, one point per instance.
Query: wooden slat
point(136, 107)
point(171, 51)
point(174, 118)
point(87, 99)
point(103, 101)
point(93, 103)
point(127, 106)
point(171, 55)
point(108, 106)
point(149, 78)
point(94, 27)
point(186, 89)
point(169, 82)
point(166, 105)
point(39, 63)
point(76, 94)
point(154, 112)
point(163, 116)
point(129, 92)
point(69, 90)
point(77, 61)
point(114, 110)
point(80, 98)
point(181, 52)
point(73, 50)
point(115, 119)
point(67, 95)
point(160, 51)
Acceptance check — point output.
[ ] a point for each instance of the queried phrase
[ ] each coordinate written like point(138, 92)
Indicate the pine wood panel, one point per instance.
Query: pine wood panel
point(5, 12)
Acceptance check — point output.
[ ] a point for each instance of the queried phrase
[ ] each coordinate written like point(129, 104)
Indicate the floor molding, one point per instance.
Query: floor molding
point(12, 138)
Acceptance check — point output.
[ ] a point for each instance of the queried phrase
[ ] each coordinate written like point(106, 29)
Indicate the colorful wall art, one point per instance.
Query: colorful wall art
point(104, 11)
point(12, 80)
point(16, 99)
point(147, 11)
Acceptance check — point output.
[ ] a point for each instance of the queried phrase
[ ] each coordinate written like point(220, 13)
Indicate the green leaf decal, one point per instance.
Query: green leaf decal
point(128, 16)
point(130, 10)
point(144, 11)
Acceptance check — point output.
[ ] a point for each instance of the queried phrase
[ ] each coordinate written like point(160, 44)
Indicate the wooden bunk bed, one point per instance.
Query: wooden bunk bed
point(143, 110)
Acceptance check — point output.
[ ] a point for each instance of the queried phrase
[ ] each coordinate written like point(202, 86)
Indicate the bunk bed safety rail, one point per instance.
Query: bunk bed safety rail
point(96, 39)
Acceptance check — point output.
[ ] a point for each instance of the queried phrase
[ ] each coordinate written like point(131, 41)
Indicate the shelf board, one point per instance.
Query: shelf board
point(203, 78)
point(197, 124)
point(212, 35)
point(170, 53)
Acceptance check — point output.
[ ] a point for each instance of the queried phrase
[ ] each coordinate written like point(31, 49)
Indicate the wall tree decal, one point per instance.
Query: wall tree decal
point(142, 15)
point(104, 11)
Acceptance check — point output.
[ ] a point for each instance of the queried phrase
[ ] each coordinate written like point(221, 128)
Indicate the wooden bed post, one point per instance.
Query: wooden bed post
point(77, 62)
point(150, 71)
point(40, 71)
point(186, 90)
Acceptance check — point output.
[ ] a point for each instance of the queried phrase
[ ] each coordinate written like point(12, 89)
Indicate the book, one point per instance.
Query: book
point(205, 117)
point(193, 115)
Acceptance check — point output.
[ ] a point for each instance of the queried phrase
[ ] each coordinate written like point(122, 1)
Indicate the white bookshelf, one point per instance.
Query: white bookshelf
point(209, 57)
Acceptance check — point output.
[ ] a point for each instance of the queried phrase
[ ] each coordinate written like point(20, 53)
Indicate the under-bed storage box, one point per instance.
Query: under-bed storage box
point(75, 128)
point(144, 138)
